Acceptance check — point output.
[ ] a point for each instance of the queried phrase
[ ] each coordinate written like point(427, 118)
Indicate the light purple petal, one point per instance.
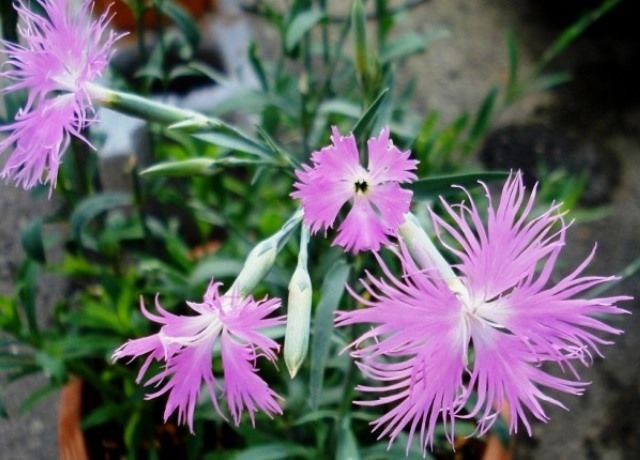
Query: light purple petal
point(337, 177)
point(186, 343)
point(62, 51)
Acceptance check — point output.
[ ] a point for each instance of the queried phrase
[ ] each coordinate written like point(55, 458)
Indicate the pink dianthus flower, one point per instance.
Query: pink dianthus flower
point(442, 350)
point(186, 345)
point(378, 203)
point(61, 53)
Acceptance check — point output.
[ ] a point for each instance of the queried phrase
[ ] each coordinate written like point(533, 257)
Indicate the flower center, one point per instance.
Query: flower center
point(361, 186)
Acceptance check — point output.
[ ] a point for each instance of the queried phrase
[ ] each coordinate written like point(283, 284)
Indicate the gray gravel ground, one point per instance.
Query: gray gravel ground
point(454, 75)
point(31, 436)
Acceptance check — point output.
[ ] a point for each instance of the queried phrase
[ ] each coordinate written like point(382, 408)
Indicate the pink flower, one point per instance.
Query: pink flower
point(62, 53)
point(378, 203)
point(186, 345)
point(444, 351)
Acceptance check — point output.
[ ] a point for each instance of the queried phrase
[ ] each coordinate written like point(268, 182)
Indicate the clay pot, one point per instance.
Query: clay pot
point(71, 443)
point(123, 18)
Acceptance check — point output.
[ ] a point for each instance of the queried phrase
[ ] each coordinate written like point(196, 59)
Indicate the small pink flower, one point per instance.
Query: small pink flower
point(434, 346)
point(378, 203)
point(186, 345)
point(62, 53)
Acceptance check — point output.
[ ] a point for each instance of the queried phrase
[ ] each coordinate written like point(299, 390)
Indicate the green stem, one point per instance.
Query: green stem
point(144, 108)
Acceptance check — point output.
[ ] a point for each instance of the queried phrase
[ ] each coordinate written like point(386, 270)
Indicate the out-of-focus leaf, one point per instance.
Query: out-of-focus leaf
point(398, 450)
point(3, 410)
point(197, 166)
point(91, 207)
point(183, 20)
point(572, 32)
point(330, 295)
point(627, 272)
point(132, 432)
point(431, 187)
point(347, 448)
point(316, 415)
point(512, 80)
point(302, 23)
point(359, 30)
point(548, 81)
point(52, 366)
point(233, 142)
point(36, 396)
point(410, 44)
point(27, 287)
point(275, 451)
point(31, 239)
point(340, 107)
point(363, 125)
point(104, 414)
point(257, 66)
point(215, 267)
point(483, 119)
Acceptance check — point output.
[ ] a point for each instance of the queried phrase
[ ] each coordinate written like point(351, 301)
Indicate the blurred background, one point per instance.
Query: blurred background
point(581, 137)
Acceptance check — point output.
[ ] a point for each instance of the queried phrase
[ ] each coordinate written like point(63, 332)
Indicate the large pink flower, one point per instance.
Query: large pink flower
point(61, 54)
point(186, 345)
point(441, 351)
point(378, 203)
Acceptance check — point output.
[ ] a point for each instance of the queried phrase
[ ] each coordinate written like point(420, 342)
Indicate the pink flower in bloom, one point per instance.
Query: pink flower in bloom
point(378, 203)
point(186, 345)
point(441, 351)
point(62, 53)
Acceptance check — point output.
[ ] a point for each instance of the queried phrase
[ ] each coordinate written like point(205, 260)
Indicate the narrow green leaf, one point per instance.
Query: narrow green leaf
point(548, 81)
point(483, 119)
point(431, 187)
point(183, 20)
point(628, 271)
point(31, 239)
point(233, 142)
point(300, 25)
point(91, 207)
point(316, 415)
point(36, 396)
point(359, 29)
point(275, 451)
point(3, 410)
point(104, 414)
point(257, 66)
point(363, 125)
point(512, 80)
point(410, 44)
point(347, 448)
point(572, 32)
point(197, 166)
point(398, 450)
point(27, 287)
point(330, 295)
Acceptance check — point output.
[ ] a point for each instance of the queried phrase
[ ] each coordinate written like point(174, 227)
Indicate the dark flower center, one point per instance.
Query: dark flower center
point(361, 186)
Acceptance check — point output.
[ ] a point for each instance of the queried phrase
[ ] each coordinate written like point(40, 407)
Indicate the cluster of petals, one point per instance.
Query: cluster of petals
point(186, 345)
point(440, 351)
point(59, 54)
point(378, 202)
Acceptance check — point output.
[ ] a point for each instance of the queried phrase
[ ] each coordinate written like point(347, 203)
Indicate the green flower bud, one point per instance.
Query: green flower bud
point(296, 338)
point(425, 253)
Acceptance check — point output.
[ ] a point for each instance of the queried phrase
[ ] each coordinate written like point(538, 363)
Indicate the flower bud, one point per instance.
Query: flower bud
point(296, 338)
point(262, 257)
point(256, 266)
point(425, 253)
